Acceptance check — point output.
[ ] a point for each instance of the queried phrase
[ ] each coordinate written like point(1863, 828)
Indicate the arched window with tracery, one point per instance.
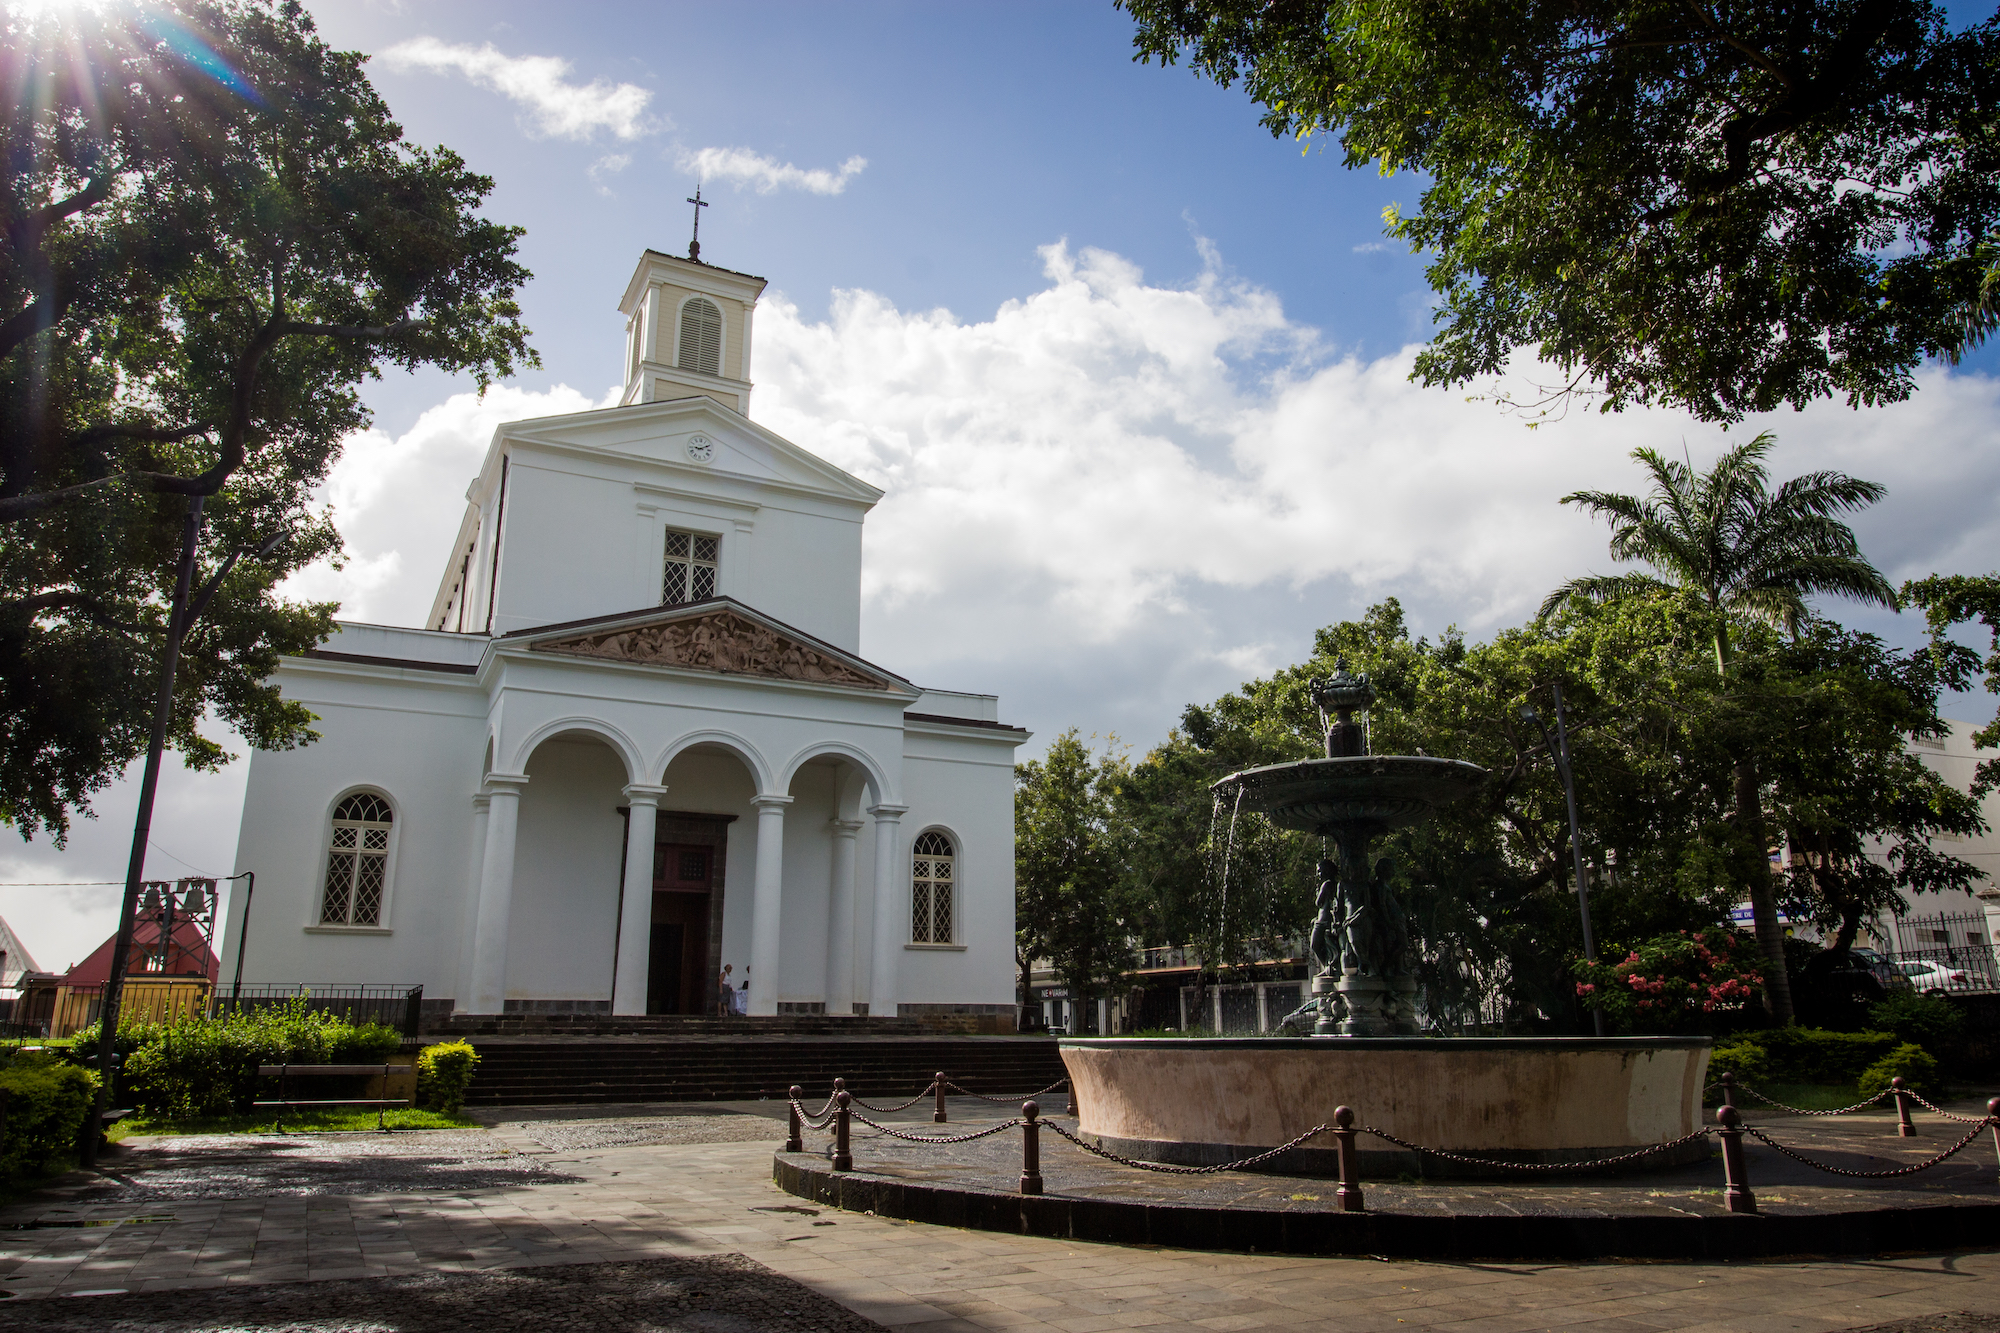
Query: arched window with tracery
point(357, 862)
point(701, 337)
point(933, 861)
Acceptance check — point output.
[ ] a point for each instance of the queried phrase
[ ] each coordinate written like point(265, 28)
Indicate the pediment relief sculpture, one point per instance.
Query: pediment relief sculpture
point(721, 641)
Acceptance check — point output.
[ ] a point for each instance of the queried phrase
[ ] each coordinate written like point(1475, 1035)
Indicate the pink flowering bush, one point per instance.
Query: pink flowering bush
point(1674, 983)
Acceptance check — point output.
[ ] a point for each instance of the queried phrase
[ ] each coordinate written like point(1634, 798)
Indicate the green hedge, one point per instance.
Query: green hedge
point(202, 1067)
point(47, 1106)
point(1814, 1055)
point(1908, 1062)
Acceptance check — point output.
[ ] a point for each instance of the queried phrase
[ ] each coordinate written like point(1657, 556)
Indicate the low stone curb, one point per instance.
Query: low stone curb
point(1397, 1235)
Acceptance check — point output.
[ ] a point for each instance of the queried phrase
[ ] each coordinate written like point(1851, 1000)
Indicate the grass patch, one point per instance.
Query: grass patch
point(299, 1122)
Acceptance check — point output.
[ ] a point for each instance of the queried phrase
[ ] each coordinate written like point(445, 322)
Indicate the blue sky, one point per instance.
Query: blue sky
point(1133, 372)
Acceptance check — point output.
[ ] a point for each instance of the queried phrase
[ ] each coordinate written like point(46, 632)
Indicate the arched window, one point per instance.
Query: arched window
point(931, 863)
point(701, 337)
point(357, 862)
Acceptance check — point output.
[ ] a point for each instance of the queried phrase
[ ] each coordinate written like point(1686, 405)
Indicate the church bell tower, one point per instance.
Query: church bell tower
point(687, 332)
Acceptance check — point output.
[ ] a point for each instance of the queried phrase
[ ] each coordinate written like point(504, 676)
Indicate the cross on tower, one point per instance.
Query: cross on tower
point(694, 246)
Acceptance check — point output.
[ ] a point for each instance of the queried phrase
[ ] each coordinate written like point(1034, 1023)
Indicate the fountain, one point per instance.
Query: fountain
point(1539, 1099)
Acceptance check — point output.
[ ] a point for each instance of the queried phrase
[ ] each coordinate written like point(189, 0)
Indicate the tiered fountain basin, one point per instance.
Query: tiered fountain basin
point(1199, 1102)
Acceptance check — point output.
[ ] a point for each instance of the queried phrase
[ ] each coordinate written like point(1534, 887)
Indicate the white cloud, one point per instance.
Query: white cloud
point(1116, 476)
point(765, 174)
point(1373, 248)
point(558, 108)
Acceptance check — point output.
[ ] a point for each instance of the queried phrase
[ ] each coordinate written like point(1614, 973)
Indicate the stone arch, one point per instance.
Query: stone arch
point(596, 728)
point(748, 754)
point(881, 792)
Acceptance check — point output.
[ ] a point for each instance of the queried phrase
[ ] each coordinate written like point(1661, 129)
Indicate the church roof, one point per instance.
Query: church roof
point(661, 254)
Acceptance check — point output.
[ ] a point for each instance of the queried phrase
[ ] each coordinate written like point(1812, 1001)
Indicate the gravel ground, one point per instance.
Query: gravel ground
point(581, 1135)
point(226, 1166)
point(724, 1293)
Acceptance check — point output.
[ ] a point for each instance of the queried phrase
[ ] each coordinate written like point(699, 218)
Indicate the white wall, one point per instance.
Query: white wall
point(563, 926)
point(413, 736)
point(964, 785)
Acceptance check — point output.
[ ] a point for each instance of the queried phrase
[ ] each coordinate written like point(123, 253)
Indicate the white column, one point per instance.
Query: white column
point(840, 919)
point(892, 910)
point(767, 899)
point(635, 901)
point(1103, 1017)
point(496, 895)
point(468, 916)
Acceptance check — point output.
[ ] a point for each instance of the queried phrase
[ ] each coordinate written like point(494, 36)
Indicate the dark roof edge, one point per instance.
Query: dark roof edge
point(405, 663)
point(964, 722)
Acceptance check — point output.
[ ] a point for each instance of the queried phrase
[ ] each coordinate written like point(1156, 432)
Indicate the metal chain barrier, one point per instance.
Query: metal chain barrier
point(891, 1110)
point(1004, 1100)
point(1592, 1165)
point(1961, 1119)
point(820, 1124)
point(1800, 1110)
point(1952, 1151)
point(1015, 1123)
point(1163, 1169)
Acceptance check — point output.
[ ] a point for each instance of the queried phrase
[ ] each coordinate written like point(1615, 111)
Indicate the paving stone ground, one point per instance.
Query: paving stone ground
point(585, 1215)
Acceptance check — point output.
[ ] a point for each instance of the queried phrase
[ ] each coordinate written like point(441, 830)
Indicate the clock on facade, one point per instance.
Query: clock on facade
point(700, 448)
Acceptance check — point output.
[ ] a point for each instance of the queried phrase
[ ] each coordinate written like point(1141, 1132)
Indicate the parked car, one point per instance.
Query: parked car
point(1884, 971)
point(1934, 978)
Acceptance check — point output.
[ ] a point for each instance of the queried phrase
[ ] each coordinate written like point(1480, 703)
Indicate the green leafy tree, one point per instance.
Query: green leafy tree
point(1749, 554)
point(1066, 899)
point(211, 233)
point(1721, 208)
point(1948, 601)
point(1837, 709)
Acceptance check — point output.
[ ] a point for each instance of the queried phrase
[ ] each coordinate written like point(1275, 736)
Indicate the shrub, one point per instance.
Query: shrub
point(1908, 1062)
point(1744, 1058)
point(1929, 1021)
point(47, 1106)
point(444, 1073)
point(1814, 1055)
point(203, 1067)
point(1675, 983)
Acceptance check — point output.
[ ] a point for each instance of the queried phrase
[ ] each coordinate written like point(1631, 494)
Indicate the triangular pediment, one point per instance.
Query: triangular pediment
point(695, 439)
point(722, 639)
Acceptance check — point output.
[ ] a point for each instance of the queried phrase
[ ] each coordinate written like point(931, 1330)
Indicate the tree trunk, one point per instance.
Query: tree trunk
point(1027, 991)
point(1763, 898)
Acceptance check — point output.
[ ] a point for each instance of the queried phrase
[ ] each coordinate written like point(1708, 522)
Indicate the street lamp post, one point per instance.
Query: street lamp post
point(187, 608)
point(1561, 751)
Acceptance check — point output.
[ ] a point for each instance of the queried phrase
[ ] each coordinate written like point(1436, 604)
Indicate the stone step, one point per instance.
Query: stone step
point(520, 1071)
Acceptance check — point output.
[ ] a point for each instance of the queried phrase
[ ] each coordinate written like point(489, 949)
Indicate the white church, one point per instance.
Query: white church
point(636, 740)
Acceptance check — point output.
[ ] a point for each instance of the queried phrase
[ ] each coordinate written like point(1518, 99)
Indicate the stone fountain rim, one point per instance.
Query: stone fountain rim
point(1303, 767)
point(1441, 1045)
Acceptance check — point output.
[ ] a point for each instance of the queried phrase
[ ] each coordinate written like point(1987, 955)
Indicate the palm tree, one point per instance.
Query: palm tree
point(1750, 553)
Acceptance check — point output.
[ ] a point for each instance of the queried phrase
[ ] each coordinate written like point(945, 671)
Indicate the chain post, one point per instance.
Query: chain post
point(1728, 1088)
point(1349, 1193)
point(1993, 1114)
point(1904, 1129)
point(1031, 1149)
point(1069, 1098)
point(843, 1159)
point(1736, 1181)
point(794, 1142)
point(937, 1113)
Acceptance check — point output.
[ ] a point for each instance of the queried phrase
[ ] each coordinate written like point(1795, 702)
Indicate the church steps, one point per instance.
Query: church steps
point(522, 1072)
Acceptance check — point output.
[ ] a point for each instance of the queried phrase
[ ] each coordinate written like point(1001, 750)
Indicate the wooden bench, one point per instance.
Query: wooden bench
point(285, 1073)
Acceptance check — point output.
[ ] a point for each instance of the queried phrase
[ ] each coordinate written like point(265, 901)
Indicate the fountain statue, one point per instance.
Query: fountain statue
point(1363, 979)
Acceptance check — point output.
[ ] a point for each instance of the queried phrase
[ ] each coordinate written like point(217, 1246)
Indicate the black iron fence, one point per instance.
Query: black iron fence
point(399, 1007)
